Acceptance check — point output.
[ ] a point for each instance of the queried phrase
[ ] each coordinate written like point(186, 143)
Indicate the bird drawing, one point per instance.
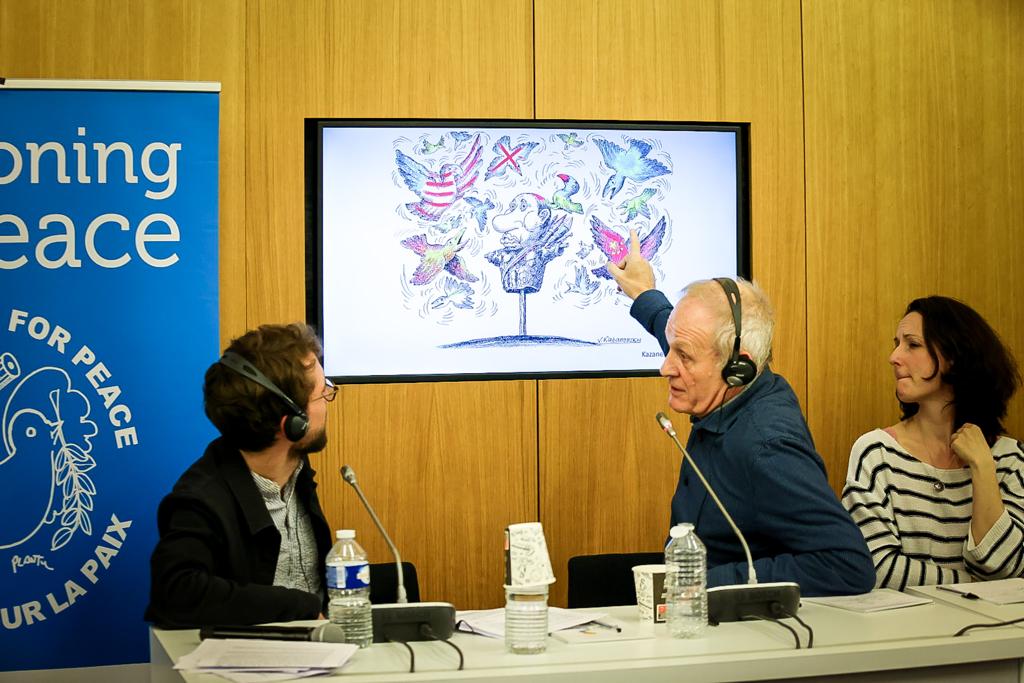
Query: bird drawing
point(439, 189)
point(457, 294)
point(562, 199)
point(616, 246)
point(629, 163)
point(585, 249)
point(449, 224)
point(637, 205)
point(45, 458)
point(582, 284)
point(479, 208)
point(508, 156)
point(429, 147)
point(437, 257)
point(570, 140)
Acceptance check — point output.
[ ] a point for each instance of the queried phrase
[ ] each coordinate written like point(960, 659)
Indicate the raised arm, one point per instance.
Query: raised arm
point(994, 548)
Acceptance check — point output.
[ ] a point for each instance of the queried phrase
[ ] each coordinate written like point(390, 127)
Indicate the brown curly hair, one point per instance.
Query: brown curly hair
point(244, 412)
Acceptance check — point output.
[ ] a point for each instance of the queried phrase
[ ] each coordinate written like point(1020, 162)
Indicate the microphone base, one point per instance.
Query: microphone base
point(407, 622)
point(736, 603)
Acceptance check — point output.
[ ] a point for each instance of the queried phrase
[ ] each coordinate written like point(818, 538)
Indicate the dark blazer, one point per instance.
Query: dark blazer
point(215, 560)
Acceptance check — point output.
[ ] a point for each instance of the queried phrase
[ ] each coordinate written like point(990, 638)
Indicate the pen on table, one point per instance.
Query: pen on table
point(963, 594)
point(618, 629)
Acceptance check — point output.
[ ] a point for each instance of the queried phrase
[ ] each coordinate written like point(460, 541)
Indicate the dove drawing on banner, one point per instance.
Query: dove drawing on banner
point(45, 459)
point(616, 246)
point(629, 163)
point(439, 189)
point(438, 257)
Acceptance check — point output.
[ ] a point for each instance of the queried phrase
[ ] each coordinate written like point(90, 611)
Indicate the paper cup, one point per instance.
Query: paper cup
point(650, 592)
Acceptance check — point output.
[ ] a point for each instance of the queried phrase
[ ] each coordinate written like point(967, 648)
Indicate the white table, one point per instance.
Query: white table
point(991, 610)
point(913, 643)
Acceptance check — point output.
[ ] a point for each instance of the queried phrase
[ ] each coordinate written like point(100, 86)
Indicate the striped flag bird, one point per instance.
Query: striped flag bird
point(439, 189)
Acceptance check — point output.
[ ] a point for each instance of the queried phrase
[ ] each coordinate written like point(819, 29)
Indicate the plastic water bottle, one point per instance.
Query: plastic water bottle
point(686, 585)
point(348, 589)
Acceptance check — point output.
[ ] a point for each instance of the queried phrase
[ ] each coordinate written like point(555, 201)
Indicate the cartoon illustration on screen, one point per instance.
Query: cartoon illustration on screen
point(616, 246)
point(437, 257)
point(531, 229)
point(509, 157)
point(439, 189)
point(563, 198)
point(631, 163)
point(531, 237)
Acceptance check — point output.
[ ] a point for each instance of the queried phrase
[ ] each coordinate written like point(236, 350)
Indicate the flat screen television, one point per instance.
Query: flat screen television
point(471, 249)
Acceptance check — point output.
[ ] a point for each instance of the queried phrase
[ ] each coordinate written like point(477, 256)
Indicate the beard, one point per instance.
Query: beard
point(312, 443)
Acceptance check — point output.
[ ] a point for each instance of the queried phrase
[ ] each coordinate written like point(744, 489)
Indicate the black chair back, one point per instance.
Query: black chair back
point(606, 580)
point(384, 582)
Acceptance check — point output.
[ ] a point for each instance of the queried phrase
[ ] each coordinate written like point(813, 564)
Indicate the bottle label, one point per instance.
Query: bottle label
point(348, 575)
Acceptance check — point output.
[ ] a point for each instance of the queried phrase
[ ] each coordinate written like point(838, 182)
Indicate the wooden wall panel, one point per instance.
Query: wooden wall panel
point(446, 465)
point(183, 40)
point(666, 60)
point(361, 58)
point(915, 186)
point(607, 472)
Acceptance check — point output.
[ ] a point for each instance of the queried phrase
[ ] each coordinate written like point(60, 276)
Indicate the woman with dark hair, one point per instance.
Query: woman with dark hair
point(939, 496)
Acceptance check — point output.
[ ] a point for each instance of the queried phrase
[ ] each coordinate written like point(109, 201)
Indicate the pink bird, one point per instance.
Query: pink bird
point(616, 246)
point(437, 257)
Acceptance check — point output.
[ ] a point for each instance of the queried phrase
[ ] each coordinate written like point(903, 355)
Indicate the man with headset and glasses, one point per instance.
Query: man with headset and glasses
point(242, 536)
point(748, 437)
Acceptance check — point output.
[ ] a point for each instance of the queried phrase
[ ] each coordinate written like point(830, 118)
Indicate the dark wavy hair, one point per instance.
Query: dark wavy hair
point(245, 413)
point(981, 371)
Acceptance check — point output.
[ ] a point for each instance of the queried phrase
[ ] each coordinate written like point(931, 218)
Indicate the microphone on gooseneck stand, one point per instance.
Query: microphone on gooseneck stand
point(753, 600)
point(349, 475)
point(404, 621)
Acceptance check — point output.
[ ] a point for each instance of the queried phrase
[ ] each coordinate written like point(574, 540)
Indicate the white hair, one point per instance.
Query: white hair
point(757, 319)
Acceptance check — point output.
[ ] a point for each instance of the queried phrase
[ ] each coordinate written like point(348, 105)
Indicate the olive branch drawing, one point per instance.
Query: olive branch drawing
point(77, 489)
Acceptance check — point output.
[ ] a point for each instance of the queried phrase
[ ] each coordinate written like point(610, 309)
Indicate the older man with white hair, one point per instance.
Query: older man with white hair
point(749, 438)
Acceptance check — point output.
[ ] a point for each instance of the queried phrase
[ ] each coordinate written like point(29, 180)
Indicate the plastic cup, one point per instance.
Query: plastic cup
point(526, 619)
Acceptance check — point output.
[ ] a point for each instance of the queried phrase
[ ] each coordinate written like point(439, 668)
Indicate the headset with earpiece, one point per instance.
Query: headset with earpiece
point(297, 424)
point(739, 370)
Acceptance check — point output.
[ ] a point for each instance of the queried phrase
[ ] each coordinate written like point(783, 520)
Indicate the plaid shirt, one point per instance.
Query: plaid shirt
point(296, 560)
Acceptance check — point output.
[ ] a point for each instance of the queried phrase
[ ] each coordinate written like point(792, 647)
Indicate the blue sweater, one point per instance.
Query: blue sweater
point(758, 455)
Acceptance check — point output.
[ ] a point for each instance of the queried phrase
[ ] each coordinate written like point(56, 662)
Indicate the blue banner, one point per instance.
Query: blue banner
point(108, 320)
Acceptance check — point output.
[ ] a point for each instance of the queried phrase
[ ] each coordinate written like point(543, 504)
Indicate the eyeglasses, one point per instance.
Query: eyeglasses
point(330, 391)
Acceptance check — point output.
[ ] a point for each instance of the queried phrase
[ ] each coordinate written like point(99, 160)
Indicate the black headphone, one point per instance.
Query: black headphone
point(738, 370)
point(297, 424)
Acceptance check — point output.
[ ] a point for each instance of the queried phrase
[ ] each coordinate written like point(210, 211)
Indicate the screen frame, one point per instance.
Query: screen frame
point(314, 262)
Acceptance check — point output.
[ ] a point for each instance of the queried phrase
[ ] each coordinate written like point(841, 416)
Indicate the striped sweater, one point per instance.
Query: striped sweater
point(916, 518)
